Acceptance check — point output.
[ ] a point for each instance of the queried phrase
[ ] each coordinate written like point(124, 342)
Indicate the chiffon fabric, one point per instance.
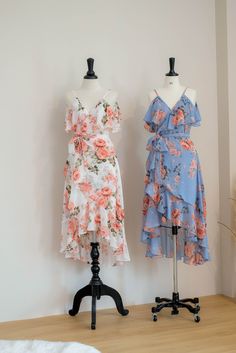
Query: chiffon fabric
point(174, 188)
point(93, 199)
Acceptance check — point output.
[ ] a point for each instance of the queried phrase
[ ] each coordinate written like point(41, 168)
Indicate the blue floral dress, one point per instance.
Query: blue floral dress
point(174, 188)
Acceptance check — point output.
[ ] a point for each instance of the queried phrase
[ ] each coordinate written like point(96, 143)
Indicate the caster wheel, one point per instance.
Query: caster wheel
point(71, 312)
point(153, 310)
point(158, 300)
point(154, 317)
point(93, 326)
point(197, 318)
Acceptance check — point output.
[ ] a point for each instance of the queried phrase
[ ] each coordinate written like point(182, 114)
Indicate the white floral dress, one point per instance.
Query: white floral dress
point(93, 199)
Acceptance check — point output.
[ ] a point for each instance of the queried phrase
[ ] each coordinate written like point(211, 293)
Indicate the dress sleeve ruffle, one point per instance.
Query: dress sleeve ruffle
point(71, 116)
point(190, 116)
point(149, 123)
point(68, 120)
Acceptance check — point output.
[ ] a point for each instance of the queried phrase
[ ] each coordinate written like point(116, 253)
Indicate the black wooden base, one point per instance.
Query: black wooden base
point(96, 289)
point(176, 303)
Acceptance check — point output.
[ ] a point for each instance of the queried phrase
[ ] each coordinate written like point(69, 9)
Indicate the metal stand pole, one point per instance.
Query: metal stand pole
point(175, 302)
point(175, 272)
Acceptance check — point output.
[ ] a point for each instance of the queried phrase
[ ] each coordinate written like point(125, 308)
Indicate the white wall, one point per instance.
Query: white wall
point(44, 46)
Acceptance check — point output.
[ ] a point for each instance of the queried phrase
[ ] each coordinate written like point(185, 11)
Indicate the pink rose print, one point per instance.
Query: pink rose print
point(72, 225)
point(99, 142)
point(109, 111)
point(71, 206)
point(178, 117)
point(159, 116)
point(102, 153)
point(111, 217)
point(76, 175)
point(106, 191)
point(163, 219)
point(110, 178)
point(175, 216)
point(187, 144)
point(120, 213)
point(81, 145)
point(120, 249)
point(147, 127)
point(189, 249)
point(116, 226)
point(97, 219)
point(104, 232)
point(84, 127)
point(103, 201)
point(145, 204)
point(201, 230)
point(65, 170)
point(85, 186)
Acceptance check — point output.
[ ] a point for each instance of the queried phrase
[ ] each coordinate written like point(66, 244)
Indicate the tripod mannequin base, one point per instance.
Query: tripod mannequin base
point(96, 289)
point(175, 303)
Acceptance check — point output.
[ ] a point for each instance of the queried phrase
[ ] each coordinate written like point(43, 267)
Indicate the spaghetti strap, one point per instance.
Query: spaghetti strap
point(156, 92)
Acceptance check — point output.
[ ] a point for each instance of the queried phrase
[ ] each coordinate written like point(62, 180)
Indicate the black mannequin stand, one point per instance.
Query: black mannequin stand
point(175, 302)
point(96, 289)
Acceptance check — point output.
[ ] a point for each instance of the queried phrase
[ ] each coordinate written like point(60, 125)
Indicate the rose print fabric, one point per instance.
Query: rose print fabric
point(93, 199)
point(174, 188)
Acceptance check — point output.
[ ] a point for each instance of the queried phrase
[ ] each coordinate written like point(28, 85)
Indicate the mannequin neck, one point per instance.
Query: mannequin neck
point(90, 92)
point(90, 85)
point(172, 82)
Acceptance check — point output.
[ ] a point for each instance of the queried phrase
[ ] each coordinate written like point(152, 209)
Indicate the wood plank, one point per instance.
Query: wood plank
point(137, 333)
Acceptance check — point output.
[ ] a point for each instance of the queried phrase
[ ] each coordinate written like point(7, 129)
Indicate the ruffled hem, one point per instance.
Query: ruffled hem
point(79, 248)
point(77, 232)
point(192, 241)
point(192, 252)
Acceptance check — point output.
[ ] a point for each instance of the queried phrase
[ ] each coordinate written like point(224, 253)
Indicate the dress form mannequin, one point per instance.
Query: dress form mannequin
point(171, 94)
point(172, 89)
point(90, 94)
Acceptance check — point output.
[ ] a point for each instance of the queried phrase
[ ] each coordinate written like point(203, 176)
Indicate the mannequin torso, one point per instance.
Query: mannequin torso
point(90, 93)
point(172, 91)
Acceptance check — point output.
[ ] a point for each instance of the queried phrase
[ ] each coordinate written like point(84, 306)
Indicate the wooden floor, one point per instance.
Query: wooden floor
point(137, 333)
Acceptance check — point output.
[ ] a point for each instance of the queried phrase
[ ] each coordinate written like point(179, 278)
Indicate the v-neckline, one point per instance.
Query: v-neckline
point(178, 101)
point(89, 111)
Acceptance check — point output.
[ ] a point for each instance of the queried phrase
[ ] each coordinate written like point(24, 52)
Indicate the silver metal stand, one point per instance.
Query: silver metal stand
point(175, 302)
point(175, 271)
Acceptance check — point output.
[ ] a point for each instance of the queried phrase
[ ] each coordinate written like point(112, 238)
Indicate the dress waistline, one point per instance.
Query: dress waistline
point(159, 143)
point(176, 134)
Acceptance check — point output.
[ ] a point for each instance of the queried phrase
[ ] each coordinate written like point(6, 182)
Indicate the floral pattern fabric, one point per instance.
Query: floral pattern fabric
point(174, 189)
point(93, 199)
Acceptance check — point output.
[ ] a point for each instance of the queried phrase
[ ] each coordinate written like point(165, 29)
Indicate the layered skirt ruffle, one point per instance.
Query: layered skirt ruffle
point(182, 204)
